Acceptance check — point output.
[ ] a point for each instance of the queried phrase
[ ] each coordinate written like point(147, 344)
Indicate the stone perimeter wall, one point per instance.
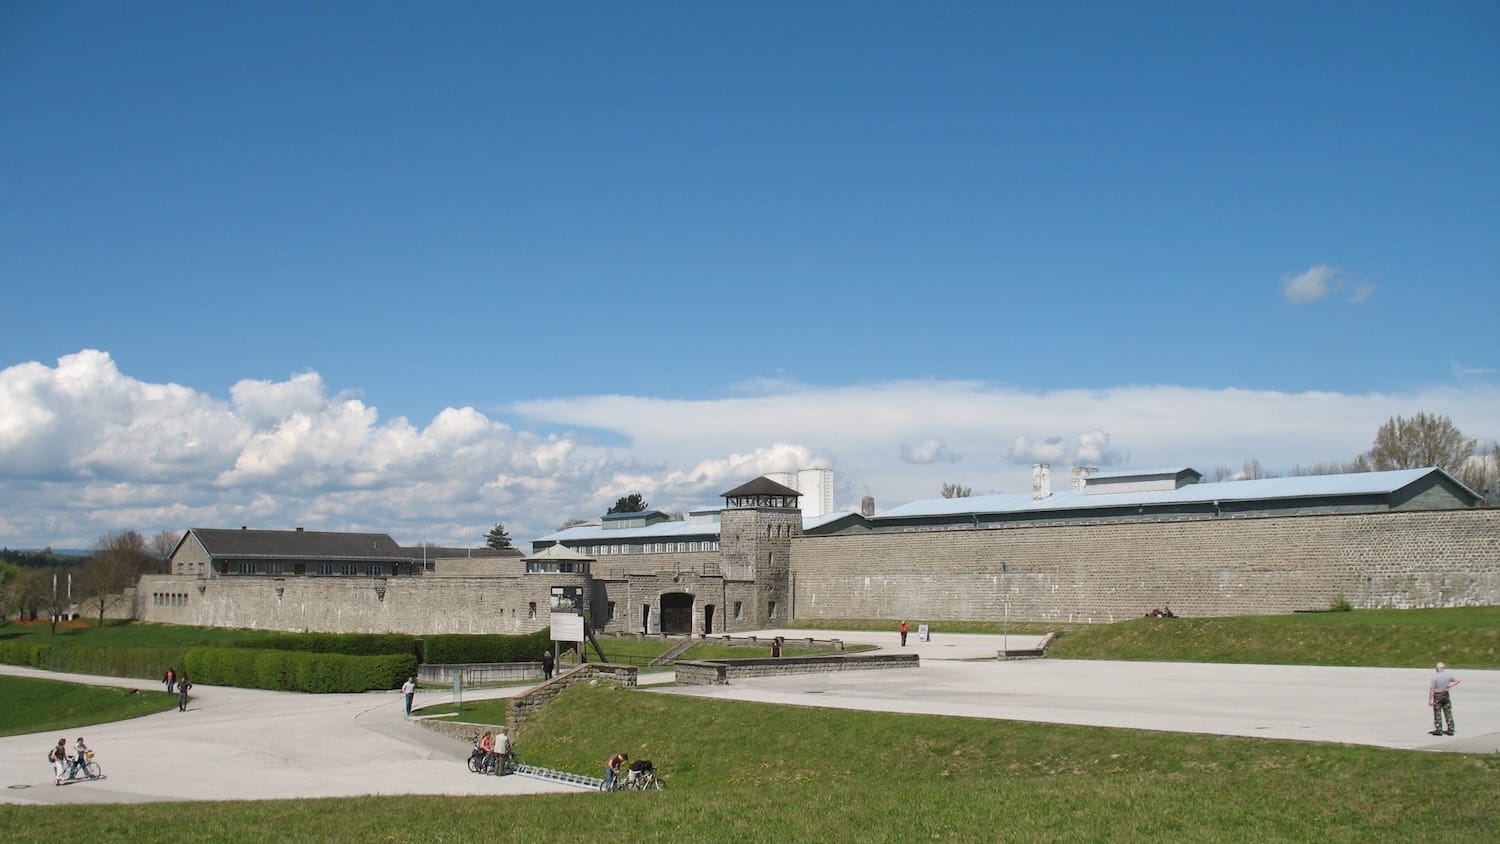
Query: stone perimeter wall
point(1109, 572)
point(420, 605)
point(1081, 573)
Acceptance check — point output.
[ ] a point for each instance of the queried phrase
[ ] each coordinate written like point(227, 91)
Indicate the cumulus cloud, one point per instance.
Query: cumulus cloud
point(927, 452)
point(86, 449)
point(1090, 448)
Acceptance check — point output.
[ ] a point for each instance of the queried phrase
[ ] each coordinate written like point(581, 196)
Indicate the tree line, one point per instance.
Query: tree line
point(41, 584)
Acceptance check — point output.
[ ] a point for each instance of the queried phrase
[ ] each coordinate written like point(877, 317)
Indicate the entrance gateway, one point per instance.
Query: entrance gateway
point(677, 613)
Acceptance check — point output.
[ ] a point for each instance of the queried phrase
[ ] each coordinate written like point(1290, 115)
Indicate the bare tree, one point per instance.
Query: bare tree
point(114, 567)
point(41, 590)
point(1421, 441)
point(956, 491)
point(161, 547)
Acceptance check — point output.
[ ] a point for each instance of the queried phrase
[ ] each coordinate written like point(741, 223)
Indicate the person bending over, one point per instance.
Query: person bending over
point(612, 769)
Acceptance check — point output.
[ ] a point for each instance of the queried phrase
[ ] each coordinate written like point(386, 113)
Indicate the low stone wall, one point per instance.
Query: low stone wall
point(480, 672)
point(722, 671)
point(459, 729)
point(521, 707)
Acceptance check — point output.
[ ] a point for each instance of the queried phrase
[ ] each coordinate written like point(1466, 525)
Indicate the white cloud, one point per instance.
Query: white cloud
point(85, 449)
point(1308, 286)
point(1322, 280)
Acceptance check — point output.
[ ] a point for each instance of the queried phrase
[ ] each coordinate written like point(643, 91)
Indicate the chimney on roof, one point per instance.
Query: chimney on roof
point(299, 530)
point(242, 527)
point(1081, 475)
point(1041, 481)
point(867, 506)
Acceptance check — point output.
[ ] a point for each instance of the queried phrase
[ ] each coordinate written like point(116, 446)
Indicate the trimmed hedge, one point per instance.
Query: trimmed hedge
point(138, 662)
point(297, 671)
point(348, 644)
point(460, 649)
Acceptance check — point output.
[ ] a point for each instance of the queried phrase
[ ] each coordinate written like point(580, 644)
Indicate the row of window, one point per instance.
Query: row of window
point(169, 599)
point(374, 569)
point(650, 548)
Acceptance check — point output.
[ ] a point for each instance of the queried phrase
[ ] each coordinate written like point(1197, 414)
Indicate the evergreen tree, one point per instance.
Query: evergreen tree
point(498, 538)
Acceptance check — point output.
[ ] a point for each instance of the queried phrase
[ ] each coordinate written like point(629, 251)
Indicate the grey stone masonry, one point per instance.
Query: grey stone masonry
point(1110, 572)
point(720, 671)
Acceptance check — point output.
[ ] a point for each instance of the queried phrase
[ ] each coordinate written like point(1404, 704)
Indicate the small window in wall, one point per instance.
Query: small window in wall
point(274, 568)
point(770, 609)
point(245, 567)
point(531, 610)
point(611, 615)
point(739, 609)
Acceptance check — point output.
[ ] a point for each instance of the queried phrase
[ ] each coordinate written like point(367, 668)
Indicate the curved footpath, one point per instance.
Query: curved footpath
point(249, 744)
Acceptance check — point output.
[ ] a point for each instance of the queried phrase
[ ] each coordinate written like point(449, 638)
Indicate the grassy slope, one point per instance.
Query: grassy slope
point(33, 706)
point(1468, 637)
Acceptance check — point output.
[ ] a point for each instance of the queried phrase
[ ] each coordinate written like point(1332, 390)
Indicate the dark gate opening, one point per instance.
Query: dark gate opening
point(708, 619)
point(677, 613)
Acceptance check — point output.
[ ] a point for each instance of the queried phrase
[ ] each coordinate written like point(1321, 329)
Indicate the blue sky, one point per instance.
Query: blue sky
point(421, 268)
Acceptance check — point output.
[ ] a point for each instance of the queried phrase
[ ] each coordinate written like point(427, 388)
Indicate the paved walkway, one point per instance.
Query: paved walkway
point(252, 744)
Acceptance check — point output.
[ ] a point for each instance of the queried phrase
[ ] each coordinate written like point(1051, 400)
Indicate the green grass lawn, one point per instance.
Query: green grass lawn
point(751, 772)
point(1466, 636)
point(33, 706)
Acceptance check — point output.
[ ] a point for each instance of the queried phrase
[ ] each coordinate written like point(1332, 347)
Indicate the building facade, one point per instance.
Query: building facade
point(1411, 538)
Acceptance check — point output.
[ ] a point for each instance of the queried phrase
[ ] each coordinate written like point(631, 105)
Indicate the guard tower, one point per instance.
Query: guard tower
point(755, 543)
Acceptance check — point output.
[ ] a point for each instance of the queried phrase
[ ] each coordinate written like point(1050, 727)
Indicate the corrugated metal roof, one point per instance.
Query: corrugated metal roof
point(1264, 489)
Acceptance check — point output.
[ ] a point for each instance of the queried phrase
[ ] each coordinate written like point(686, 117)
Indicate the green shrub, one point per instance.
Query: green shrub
point(1341, 604)
point(458, 649)
point(297, 671)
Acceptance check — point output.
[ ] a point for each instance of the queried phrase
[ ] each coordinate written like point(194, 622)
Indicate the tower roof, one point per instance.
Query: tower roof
point(761, 486)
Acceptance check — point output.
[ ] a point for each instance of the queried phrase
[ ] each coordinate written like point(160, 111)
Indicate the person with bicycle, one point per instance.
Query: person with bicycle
point(487, 744)
point(80, 759)
point(502, 751)
point(612, 770)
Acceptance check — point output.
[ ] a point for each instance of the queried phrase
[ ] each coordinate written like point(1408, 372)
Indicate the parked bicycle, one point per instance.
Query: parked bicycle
point(482, 762)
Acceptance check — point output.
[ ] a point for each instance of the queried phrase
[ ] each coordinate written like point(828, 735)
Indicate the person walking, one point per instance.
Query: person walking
point(409, 690)
point(58, 756)
point(170, 680)
point(1440, 698)
point(903, 630)
point(182, 689)
point(547, 664)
